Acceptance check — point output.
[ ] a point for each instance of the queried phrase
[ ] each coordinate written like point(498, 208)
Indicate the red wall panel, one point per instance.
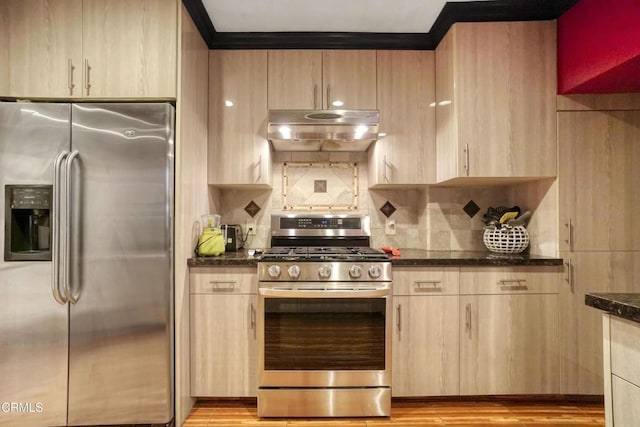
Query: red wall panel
point(599, 47)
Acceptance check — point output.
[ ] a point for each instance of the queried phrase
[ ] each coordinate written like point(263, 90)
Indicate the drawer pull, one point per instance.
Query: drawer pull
point(513, 284)
point(503, 282)
point(427, 284)
point(222, 286)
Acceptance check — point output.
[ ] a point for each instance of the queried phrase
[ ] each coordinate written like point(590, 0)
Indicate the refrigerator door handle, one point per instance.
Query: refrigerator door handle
point(55, 235)
point(67, 238)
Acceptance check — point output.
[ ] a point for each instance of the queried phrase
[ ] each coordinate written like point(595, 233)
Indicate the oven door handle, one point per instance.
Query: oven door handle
point(325, 293)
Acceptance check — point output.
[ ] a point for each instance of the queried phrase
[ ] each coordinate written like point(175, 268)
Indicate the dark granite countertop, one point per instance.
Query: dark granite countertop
point(227, 259)
point(419, 257)
point(626, 306)
point(408, 257)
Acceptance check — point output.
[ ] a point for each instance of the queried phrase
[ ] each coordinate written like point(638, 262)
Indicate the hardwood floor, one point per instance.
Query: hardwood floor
point(432, 412)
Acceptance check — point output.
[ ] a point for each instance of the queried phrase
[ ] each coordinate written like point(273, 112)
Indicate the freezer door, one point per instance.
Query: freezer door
point(121, 327)
point(33, 326)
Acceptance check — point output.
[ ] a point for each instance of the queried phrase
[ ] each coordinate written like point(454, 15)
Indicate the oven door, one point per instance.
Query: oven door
point(330, 337)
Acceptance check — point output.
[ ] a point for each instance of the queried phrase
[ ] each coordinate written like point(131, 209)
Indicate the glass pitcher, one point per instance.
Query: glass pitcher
point(210, 221)
point(211, 242)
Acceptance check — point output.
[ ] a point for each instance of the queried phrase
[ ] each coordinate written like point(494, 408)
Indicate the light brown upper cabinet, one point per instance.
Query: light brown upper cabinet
point(496, 98)
point(90, 48)
point(599, 152)
point(406, 99)
point(43, 44)
point(239, 153)
point(316, 79)
point(130, 48)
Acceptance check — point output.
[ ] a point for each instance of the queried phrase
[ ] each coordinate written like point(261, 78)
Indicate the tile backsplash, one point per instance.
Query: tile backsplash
point(431, 218)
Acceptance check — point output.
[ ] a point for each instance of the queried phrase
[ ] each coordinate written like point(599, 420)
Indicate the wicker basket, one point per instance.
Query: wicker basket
point(506, 240)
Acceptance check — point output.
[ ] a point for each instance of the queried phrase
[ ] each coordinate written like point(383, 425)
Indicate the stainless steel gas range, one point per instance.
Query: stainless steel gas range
point(324, 328)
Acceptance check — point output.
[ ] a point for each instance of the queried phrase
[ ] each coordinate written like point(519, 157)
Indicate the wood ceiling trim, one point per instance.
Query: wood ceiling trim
point(496, 10)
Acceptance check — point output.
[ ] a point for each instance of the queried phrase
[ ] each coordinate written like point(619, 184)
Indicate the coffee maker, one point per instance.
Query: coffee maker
point(27, 223)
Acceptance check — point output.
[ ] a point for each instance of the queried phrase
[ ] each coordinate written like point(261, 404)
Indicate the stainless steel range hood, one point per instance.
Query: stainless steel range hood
point(322, 130)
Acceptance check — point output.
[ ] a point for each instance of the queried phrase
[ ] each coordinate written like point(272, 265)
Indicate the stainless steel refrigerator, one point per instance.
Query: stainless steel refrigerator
point(86, 280)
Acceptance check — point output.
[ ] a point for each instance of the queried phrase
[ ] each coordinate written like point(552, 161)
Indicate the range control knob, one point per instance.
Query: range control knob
point(324, 272)
point(355, 271)
point(375, 271)
point(274, 271)
point(294, 271)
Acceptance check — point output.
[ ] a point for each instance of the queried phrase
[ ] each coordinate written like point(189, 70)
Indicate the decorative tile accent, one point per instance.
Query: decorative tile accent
point(252, 209)
point(320, 186)
point(387, 209)
point(471, 208)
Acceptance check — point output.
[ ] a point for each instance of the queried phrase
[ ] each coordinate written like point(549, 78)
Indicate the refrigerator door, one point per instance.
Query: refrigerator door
point(121, 327)
point(33, 326)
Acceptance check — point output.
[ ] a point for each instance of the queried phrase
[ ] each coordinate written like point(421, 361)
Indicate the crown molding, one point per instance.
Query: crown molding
point(483, 11)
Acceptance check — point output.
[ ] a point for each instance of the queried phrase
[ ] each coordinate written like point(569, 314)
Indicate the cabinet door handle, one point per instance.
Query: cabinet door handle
point(329, 106)
point(315, 97)
point(385, 165)
point(569, 240)
point(259, 168)
point(569, 278)
point(70, 69)
point(467, 313)
point(466, 159)
point(87, 78)
point(399, 318)
point(252, 318)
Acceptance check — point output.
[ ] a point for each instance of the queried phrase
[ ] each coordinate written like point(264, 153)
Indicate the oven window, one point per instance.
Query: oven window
point(324, 333)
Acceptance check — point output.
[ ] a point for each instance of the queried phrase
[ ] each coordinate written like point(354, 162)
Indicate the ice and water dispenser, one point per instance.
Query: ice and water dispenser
point(27, 230)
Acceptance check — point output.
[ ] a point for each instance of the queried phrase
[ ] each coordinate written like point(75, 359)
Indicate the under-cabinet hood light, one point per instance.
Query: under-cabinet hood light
point(285, 132)
point(322, 130)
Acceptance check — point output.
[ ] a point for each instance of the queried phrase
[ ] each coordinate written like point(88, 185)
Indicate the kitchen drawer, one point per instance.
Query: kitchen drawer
point(626, 402)
point(223, 280)
point(625, 349)
point(425, 281)
point(510, 280)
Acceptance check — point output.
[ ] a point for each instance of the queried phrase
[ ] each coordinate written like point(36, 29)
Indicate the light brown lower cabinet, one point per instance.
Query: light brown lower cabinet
point(626, 403)
point(580, 325)
point(223, 332)
point(425, 334)
point(467, 331)
point(476, 331)
point(509, 344)
point(509, 338)
point(621, 346)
